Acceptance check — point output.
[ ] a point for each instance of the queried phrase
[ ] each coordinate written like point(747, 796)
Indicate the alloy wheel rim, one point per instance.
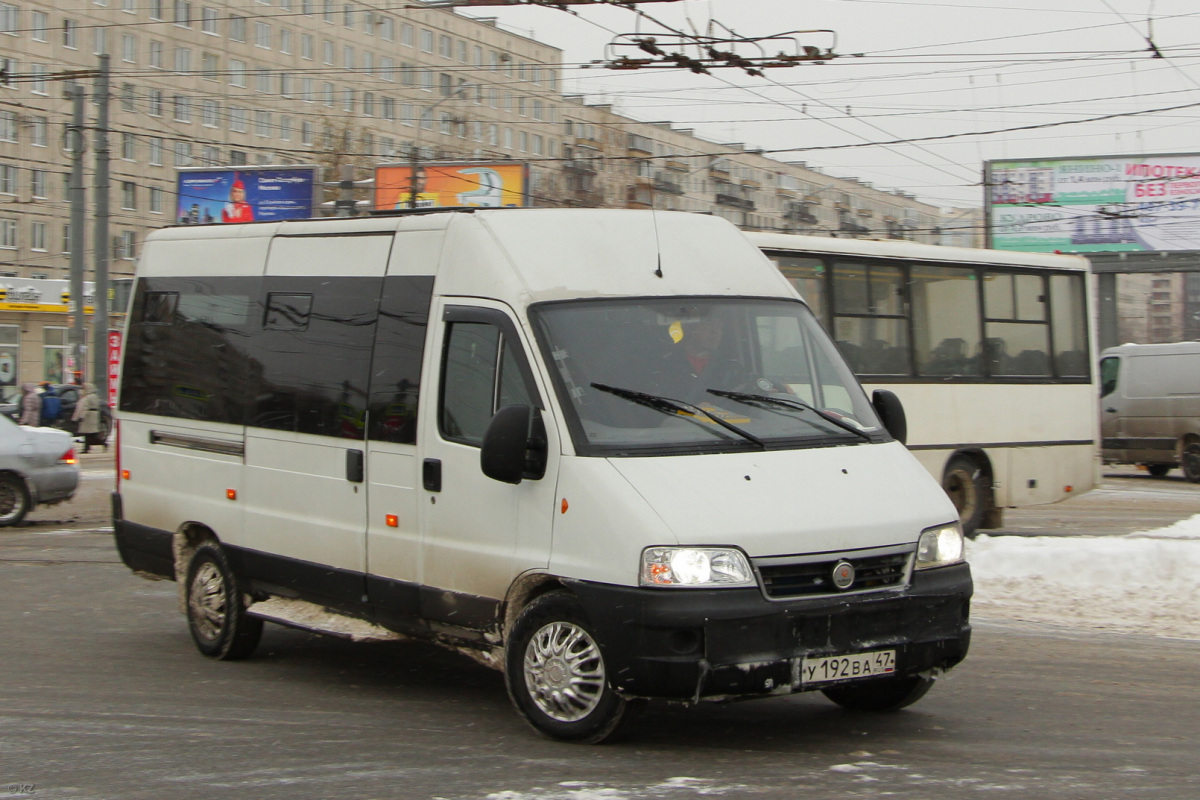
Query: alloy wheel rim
point(207, 601)
point(564, 671)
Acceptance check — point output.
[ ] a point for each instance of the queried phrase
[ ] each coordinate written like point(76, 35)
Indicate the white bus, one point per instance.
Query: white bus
point(989, 351)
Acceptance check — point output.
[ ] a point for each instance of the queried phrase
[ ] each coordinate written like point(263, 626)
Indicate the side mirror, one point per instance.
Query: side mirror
point(514, 445)
point(891, 413)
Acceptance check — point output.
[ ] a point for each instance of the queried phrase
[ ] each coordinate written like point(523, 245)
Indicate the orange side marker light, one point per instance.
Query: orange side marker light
point(564, 505)
point(392, 521)
point(124, 474)
point(231, 494)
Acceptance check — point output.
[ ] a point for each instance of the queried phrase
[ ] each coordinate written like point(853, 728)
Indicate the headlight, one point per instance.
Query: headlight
point(695, 566)
point(940, 546)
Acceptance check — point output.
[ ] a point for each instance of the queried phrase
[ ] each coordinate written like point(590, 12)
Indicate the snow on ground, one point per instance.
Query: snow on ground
point(1146, 582)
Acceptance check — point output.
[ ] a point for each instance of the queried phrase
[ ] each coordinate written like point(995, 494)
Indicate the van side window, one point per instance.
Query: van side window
point(399, 350)
point(481, 374)
point(159, 308)
point(287, 312)
point(1110, 368)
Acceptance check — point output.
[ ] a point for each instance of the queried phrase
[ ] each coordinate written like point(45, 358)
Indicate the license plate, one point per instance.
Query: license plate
point(841, 668)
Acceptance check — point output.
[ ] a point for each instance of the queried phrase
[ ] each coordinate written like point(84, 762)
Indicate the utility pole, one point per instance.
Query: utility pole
point(345, 205)
point(101, 247)
point(75, 145)
point(414, 172)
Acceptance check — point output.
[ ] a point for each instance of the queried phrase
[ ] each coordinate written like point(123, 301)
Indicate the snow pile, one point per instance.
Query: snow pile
point(1146, 582)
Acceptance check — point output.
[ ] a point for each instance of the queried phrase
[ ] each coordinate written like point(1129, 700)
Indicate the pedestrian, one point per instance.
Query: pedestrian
point(31, 405)
point(87, 414)
point(51, 404)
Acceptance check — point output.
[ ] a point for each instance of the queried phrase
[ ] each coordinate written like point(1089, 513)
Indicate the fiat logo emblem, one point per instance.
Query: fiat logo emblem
point(843, 575)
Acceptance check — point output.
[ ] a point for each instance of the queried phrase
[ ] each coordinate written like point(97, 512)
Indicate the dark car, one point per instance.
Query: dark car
point(68, 395)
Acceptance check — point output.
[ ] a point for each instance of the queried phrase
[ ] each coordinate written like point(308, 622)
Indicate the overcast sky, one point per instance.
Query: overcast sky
point(907, 70)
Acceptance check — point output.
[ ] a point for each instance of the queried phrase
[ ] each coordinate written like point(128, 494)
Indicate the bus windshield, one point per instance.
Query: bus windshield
point(642, 376)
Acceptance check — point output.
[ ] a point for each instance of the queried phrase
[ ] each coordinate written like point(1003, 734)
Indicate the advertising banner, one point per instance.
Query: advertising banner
point(1084, 205)
point(486, 185)
point(245, 194)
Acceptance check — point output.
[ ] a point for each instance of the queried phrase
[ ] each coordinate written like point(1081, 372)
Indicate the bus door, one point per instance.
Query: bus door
point(478, 534)
point(305, 495)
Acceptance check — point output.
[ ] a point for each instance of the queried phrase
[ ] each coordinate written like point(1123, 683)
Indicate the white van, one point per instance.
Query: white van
point(611, 453)
point(1150, 407)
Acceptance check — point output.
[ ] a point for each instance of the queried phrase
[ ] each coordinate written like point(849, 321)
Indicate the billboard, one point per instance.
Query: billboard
point(245, 194)
point(1096, 204)
point(487, 185)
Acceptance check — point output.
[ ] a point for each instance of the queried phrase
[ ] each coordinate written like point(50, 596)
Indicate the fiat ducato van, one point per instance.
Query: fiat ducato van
point(610, 453)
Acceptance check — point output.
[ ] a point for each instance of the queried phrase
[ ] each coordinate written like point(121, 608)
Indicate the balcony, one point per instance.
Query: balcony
point(581, 166)
point(676, 166)
point(733, 201)
point(801, 216)
point(662, 183)
point(639, 197)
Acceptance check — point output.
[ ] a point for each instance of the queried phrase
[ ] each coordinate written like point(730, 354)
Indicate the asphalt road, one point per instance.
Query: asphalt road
point(102, 695)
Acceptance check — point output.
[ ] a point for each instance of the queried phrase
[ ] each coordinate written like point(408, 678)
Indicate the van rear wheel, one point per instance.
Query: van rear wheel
point(1158, 470)
point(882, 694)
point(216, 614)
point(964, 482)
point(556, 676)
point(1191, 461)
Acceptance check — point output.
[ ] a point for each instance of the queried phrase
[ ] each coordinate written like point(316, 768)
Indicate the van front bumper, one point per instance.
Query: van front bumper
point(687, 644)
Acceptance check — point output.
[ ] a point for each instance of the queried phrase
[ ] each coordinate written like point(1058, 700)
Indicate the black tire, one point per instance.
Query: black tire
point(880, 694)
point(967, 487)
point(555, 674)
point(1190, 461)
point(1158, 470)
point(14, 499)
point(216, 614)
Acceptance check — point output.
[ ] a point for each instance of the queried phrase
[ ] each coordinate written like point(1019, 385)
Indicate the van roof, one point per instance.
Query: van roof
point(1171, 348)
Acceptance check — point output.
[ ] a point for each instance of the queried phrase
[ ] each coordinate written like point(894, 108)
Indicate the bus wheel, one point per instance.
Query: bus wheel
point(556, 677)
point(1191, 461)
point(217, 617)
point(885, 694)
point(965, 484)
point(1158, 470)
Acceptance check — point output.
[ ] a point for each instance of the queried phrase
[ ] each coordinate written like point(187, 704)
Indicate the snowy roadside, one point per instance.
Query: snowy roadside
point(1146, 582)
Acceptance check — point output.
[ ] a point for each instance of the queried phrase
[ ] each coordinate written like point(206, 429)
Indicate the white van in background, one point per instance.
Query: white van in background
point(611, 453)
point(1150, 406)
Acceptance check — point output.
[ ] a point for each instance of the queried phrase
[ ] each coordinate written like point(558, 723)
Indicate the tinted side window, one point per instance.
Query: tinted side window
point(1110, 369)
point(399, 350)
point(312, 355)
point(480, 375)
point(186, 355)
point(869, 323)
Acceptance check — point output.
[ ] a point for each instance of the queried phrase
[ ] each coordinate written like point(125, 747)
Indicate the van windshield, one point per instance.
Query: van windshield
point(645, 376)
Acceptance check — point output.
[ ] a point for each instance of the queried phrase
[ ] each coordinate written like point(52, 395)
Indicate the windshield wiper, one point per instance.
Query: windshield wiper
point(790, 402)
point(669, 406)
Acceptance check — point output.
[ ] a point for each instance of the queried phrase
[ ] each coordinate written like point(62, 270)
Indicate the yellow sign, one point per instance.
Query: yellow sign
point(478, 184)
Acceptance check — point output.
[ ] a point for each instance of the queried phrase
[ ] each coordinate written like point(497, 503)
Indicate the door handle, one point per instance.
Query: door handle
point(354, 466)
point(1111, 410)
point(431, 474)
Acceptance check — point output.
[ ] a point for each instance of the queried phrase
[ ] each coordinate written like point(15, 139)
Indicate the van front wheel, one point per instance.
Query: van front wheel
point(883, 694)
point(555, 673)
point(1191, 461)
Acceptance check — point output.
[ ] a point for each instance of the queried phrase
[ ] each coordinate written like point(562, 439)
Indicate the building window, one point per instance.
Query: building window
point(208, 21)
point(183, 59)
point(39, 26)
point(285, 41)
point(210, 156)
point(306, 132)
point(183, 108)
point(37, 236)
point(70, 34)
point(387, 28)
point(156, 54)
point(54, 354)
point(128, 48)
point(127, 247)
point(237, 119)
point(8, 126)
point(285, 128)
point(128, 146)
point(237, 28)
point(8, 179)
point(348, 16)
point(8, 234)
point(237, 73)
point(327, 51)
point(37, 183)
point(262, 81)
point(210, 113)
point(307, 47)
point(154, 102)
point(348, 57)
point(348, 100)
point(183, 13)
point(445, 47)
point(262, 123)
point(183, 154)
point(39, 131)
point(327, 94)
point(210, 66)
point(368, 104)
point(262, 35)
point(129, 196)
point(156, 151)
point(156, 200)
point(426, 41)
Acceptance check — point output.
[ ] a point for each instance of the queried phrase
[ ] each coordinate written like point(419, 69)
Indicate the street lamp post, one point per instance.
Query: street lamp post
point(417, 178)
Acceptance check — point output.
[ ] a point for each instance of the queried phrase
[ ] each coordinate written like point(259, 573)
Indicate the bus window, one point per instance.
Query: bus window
point(869, 324)
point(1068, 311)
point(808, 276)
point(945, 315)
point(1110, 368)
point(1016, 336)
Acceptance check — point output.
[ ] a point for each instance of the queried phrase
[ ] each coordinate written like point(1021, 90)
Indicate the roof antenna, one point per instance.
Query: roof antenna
point(657, 246)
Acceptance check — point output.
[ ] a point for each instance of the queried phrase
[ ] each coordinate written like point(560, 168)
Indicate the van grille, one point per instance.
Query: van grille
point(783, 579)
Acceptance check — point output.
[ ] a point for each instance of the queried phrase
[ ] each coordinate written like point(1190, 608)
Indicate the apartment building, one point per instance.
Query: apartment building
point(196, 83)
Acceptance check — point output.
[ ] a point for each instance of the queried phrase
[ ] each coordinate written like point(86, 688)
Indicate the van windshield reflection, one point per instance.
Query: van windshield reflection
point(700, 373)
